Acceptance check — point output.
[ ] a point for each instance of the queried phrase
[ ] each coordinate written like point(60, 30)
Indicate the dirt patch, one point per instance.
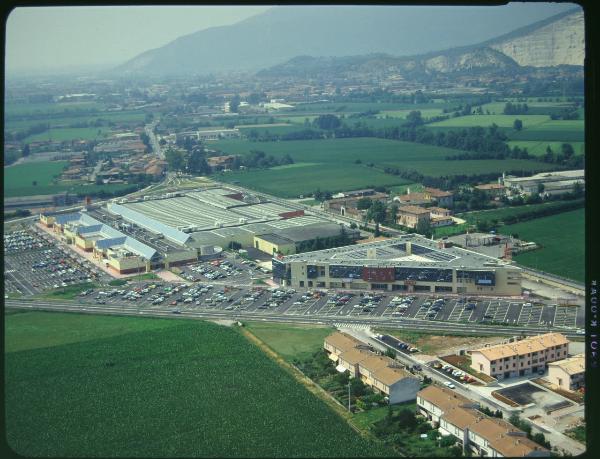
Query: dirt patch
point(169, 276)
point(447, 344)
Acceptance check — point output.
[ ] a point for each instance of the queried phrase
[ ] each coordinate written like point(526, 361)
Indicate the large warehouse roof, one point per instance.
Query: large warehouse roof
point(422, 252)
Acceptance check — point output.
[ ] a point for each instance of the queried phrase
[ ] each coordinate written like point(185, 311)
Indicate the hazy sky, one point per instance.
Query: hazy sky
point(73, 38)
point(59, 37)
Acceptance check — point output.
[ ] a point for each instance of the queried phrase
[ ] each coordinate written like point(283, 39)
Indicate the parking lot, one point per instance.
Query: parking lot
point(33, 263)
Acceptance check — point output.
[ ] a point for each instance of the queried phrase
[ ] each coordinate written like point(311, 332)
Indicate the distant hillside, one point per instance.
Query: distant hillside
point(551, 42)
point(283, 32)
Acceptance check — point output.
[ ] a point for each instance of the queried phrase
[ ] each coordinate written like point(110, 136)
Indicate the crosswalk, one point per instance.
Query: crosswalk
point(352, 326)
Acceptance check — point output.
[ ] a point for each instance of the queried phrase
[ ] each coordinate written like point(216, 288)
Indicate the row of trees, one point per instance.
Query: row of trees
point(320, 243)
point(515, 109)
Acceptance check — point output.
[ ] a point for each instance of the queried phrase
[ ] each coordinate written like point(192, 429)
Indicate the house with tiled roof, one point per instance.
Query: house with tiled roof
point(520, 358)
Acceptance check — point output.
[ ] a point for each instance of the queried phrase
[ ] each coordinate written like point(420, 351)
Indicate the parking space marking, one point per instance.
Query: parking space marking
point(565, 316)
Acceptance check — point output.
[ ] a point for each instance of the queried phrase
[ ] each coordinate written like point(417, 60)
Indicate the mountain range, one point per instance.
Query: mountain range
point(285, 32)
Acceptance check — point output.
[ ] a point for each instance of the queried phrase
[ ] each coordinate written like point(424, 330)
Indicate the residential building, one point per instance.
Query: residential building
point(383, 374)
point(520, 358)
point(480, 435)
point(410, 216)
point(568, 374)
point(493, 189)
point(439, 197)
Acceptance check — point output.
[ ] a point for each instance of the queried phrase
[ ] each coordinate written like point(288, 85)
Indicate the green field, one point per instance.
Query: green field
point(552, 131)
point(330, 164)
point(535, 108)
point(290, 341)
point(44, 172)
point(487, 120)
point(18, 180)
point(62, 121)
point(61, 134)
point(538, 147)
point(503, 212)
point(358, 107)
point(562, 238)
point(25, 109)
point(80, 386)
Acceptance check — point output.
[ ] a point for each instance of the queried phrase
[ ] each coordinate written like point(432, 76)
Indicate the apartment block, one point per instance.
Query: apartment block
point(520, 358)
point(381, 373)
point(453, 414)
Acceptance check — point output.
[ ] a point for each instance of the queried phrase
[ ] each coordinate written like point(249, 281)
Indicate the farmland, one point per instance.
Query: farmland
point(517, 211)
point(158, 388)
point(488, 120)
point(538, 147)
point(332, 164)
point(562, 238)
point(61, 134)
point(44, 174)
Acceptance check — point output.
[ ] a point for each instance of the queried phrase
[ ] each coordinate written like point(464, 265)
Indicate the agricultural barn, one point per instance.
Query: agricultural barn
point(410, 263)
point(480, 435)
point(559, 182)
point(382, 373)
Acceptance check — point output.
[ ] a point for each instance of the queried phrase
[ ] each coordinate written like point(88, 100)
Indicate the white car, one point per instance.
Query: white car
point(449, 385)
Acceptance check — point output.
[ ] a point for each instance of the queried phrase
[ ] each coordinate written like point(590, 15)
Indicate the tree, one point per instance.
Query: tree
point(424, 227)
point(567, 150)
point(26, 150)
point(377, 212)
point(196, 163)
point(357, 387)
point(406, 419)
point(540, 188)
point(234, 104)
point(414, 118)
point(390, 353)
point(577, 189)
point(393, 213)
point(175, 159)
point(518, 125)
point(327, 122)
point(34, 183)
point(363, 203)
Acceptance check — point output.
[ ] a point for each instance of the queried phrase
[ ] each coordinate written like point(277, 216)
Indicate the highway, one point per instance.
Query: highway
point(381, 322)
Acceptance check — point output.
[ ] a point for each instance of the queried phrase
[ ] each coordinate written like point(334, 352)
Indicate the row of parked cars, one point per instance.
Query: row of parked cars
point(454, 372)
point(434, 307)
point(18, 241)
point(402, 304)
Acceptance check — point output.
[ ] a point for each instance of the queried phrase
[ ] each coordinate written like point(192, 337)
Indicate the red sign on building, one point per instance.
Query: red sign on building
point(378, 274)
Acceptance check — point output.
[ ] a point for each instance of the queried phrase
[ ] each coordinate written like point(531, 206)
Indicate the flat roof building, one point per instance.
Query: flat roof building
point(409, 263)
point(520, 358)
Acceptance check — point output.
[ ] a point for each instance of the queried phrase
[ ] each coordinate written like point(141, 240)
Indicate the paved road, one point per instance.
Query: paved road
point(381, 322)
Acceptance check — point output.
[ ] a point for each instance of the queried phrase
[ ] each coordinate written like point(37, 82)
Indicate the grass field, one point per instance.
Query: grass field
point(128, 387)
point(552, 131)
point(358, 107)
point(487, 120)
point(503, 212)
point(60, 134)
point(44, 172)
point(562, 238)
point(290, 341)
point(63, 121)
point(538, 147)
point(24, 109)
point(330, 164)
point(535, 107)
point(18, 180)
